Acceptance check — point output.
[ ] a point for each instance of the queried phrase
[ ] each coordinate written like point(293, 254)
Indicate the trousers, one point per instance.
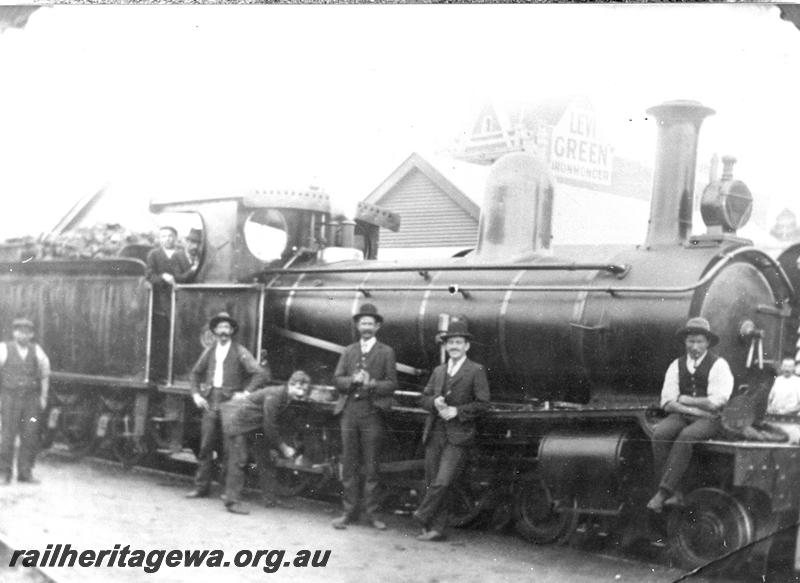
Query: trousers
point(362, 434)
point(444, 462)
point(20, 414)
point(673, 442)
point(210, 437)
point(237, 450)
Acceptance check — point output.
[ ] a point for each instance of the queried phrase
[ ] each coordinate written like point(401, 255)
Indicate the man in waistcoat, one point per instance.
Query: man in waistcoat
point(253, 427)
point(456, 394)
point(696, 387)
point(366, 380)
point(226, 370)
point(25, 383)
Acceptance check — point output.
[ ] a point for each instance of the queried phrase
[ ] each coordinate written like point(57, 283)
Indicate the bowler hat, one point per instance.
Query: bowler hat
point(368, 310)
point(222, 317)
point(458, 327)
point(21, 323)
point(195, 235)
point(697, 326)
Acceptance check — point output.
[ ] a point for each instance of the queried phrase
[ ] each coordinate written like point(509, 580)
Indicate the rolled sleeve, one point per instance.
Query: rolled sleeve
point(670, 391)
point(43, 361)
point(720, 383)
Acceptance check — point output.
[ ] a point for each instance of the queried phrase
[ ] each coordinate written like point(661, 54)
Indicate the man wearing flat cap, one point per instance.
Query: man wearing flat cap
point(225, 371)
point(456, 394)
point(25, 383)
point(366, 379)
point(696, 387)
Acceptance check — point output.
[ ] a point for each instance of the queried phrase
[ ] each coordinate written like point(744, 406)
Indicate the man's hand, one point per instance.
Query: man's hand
point(287, 451)
point(239, 395)
point(199, 401)
point(439, 403)
point(168, 278)
point(448, 413)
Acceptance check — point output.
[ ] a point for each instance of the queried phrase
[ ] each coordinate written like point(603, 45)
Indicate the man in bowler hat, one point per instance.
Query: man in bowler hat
point(25, 371)
point(225, 371)
point(455, 395)
point(366, 380)
point(696, 387)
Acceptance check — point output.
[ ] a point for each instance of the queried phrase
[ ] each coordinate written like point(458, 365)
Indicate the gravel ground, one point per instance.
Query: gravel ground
point(93, 505)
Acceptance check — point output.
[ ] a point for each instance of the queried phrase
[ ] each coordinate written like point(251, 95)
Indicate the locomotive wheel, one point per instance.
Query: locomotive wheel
point(712, 524)
point(77, 433)
point(536, 518)
point(291, 482)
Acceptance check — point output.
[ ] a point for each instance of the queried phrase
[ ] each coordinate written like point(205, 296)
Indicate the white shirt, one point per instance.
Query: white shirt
point(784, 398)
point(366, 345)
point(41, 357)
point(220, 352)
point(169, 252)
point(720, 381)
point(453, 366)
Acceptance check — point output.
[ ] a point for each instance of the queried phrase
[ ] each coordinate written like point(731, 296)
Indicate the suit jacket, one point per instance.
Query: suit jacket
point(158, 263)
point(381, 366)
point(467, 391)
point(238, 366)
point(263, 410)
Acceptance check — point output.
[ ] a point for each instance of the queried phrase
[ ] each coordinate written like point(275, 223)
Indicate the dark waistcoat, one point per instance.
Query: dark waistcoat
point(18, 374)
point(695, 385)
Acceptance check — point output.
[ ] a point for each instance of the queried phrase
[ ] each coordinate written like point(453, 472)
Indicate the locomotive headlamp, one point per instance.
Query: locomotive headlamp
point(726, 204)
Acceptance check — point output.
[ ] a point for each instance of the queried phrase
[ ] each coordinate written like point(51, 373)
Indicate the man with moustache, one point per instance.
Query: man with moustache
point(366, 380)
point(696, 387)
point(456, 394)
point(225, 371)
point(25, 383)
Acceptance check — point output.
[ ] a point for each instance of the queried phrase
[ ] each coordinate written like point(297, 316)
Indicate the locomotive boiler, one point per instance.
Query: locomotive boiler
point(575, 340)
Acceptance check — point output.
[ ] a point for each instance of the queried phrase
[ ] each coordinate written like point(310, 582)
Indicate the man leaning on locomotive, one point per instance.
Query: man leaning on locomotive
point(696, 388)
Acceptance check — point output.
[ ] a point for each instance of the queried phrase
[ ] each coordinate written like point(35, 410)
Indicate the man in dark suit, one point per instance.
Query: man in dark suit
point(455, 395)
point(252, 426)
point(226, 370)
point(166, 266)
point(366, 380)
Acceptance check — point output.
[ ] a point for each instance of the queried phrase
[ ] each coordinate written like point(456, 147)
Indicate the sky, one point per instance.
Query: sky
point(158, 100)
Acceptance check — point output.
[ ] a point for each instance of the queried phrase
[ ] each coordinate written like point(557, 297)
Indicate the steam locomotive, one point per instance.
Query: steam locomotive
point(575, 341)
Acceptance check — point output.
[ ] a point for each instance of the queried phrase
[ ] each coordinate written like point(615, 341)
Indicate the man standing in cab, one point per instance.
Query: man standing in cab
point(366, 379)
point(696, 388)
point(456, 394)
point(253, 428)
point(25, 371)
point(226, 370)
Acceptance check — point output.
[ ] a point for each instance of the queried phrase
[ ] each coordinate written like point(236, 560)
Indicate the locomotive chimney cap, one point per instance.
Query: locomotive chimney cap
point(680, 110)
point(697, 326)
point(368, 310)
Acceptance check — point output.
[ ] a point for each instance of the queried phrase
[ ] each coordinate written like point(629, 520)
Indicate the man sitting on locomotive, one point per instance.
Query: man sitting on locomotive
point(218, 376)
point(784, 398)
point(455, 395)
point(696, 387)
point(251, 426)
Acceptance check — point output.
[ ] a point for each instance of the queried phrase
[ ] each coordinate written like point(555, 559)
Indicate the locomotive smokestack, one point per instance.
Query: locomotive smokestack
point(673, 181)
point(517, 209)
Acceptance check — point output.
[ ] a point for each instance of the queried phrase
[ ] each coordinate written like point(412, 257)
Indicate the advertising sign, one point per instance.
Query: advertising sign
point(578, 149)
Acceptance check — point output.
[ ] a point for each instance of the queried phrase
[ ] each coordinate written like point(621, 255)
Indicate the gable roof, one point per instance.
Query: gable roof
point(437, 175)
